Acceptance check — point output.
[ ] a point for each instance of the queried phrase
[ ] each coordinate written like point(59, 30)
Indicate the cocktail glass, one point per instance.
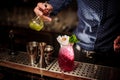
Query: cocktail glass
point(66, 58)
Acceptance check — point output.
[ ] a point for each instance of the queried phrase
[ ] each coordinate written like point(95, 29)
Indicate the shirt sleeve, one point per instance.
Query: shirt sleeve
point(58, 5)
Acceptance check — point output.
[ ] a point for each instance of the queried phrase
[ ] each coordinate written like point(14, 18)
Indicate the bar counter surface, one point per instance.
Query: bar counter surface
point(83, 71)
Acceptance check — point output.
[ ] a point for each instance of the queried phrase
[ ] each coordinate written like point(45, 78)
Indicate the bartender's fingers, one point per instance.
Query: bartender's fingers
point(39, 9)
point(43, 10)
point(117, 50)
point(40, 13)
point(117, 44)
point(117, 40)
point(46, 18)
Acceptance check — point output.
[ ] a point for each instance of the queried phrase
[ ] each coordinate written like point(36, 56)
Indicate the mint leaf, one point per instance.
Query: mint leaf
point(73, 39)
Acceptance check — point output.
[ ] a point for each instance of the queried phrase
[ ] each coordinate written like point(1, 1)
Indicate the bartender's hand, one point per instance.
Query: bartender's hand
point(117, 44)
point(43, 10)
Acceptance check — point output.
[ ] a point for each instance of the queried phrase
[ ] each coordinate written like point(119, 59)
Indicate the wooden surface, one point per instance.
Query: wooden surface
point(36, 70)
point(83, 71)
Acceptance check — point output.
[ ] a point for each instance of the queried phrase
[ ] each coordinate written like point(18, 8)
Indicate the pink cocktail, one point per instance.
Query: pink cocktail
point(66, 58)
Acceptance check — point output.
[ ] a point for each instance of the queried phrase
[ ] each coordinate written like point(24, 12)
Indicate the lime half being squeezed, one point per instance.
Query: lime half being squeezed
point(36, 24)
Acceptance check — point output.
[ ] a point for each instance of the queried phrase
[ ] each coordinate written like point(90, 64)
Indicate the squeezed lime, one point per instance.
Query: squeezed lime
point(36, 25)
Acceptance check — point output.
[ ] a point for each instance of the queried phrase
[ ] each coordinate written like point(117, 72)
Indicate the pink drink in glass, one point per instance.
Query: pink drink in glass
point(66, 58)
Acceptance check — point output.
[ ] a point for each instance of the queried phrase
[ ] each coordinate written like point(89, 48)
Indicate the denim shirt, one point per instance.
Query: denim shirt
point(98, 25)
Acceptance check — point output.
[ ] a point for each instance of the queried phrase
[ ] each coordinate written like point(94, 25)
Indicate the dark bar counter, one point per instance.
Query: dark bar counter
point(18, 63)
point(83, 71)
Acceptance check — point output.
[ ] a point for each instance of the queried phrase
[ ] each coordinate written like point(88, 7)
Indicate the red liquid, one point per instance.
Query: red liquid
point(66, 58)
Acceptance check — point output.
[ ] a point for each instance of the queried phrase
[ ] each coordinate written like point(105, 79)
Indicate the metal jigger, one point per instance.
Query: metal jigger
point(48, 53)
point(41, 47)
point(32, 51)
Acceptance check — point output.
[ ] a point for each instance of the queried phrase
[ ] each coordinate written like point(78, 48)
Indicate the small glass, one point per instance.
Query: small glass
point(32, 51)
point(48, 53)
point(36, 23)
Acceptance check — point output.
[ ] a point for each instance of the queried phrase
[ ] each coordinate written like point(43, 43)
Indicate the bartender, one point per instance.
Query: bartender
point(98, 29)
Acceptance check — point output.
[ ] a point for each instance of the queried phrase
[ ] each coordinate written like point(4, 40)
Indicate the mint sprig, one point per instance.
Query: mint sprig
point(73, 39)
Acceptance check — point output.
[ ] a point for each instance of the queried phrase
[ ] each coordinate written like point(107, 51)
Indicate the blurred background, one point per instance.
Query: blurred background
point(15, 16)
point(18, 13)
